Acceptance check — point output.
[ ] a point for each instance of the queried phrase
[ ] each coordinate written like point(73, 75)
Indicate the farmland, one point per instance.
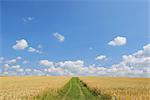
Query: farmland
point(75, 88)
point(27, 87)
point(120, 88)
point(44, 88)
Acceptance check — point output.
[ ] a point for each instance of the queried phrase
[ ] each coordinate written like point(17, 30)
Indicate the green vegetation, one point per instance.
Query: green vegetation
point(73, 90)
point(67, 88)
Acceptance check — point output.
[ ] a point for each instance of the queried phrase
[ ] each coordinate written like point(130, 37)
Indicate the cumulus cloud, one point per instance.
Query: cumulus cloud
point(133, 65)
point(101, 58)
point(59, 37)
point(118, 41)
point(143, 53)
point(31, 49)
point(15, 61)
point(46, 63)
point(19, 70)
point(71, 66)
point(15, 67)
point(6, 67)
point(137, 63)
point(23, 44)
point(28, 70)
point(140, 58)
point(5, 73)
point(20, 44)
point(64, 68)
point(38, 72)
point(75, 68)
point(12, 61)
point(10, 64)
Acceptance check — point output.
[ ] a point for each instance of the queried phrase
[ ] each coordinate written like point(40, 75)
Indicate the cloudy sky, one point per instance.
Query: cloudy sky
point(93, 37)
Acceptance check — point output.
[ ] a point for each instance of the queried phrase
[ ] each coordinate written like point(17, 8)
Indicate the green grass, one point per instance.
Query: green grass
point(73, 90)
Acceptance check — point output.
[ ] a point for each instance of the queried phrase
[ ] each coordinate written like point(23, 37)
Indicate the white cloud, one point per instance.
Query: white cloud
point(131, 60)
point(55, 71)
point(146, 50)
point(6, 67)
point(23, 44)
point(140, 58)
point(15, 67)
point(12, 61)
point(133, 65)
point(5, 73)
point(27, 19)
point(31, 49)
point(28, 70)
point(2, 60)
point(46, 63)
point(143, 53)
point(59, 37)
point(71, 66)
point(38, 72)
point(137, 63)
point(118, 41)
point(20, 44)
point(18, 58)
point(77, 68)
point(19, 70)
point(25, 62)
point(101, 58)
point(65, 68)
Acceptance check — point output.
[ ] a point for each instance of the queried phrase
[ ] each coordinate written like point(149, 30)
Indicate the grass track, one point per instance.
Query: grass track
point(73, 90)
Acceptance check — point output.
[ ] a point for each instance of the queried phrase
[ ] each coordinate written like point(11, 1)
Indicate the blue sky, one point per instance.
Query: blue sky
point(87, 28)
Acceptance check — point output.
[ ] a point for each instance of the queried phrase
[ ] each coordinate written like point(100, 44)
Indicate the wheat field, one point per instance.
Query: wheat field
point(119, 88)
point(27, 87)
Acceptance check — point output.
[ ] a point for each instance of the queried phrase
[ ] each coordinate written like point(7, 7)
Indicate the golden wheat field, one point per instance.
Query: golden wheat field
point(121, 88)
point(25, 88)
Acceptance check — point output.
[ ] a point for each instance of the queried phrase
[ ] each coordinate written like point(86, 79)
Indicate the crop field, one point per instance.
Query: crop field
point(28, 87)
point(44, 88)
point(75, 88)
point(119, 88)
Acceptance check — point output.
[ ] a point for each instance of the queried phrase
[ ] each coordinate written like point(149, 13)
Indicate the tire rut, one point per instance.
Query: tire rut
point(81, 92)
point(70, 86)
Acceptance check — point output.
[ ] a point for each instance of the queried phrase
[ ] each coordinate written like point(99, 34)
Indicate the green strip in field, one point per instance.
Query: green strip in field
point(73, 90)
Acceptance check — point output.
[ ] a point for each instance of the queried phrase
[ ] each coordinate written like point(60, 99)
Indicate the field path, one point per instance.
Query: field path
point(81, 92)
point(73, 90)
point(70, 86)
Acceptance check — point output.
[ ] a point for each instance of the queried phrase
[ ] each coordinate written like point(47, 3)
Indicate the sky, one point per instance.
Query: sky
point(100, 37)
